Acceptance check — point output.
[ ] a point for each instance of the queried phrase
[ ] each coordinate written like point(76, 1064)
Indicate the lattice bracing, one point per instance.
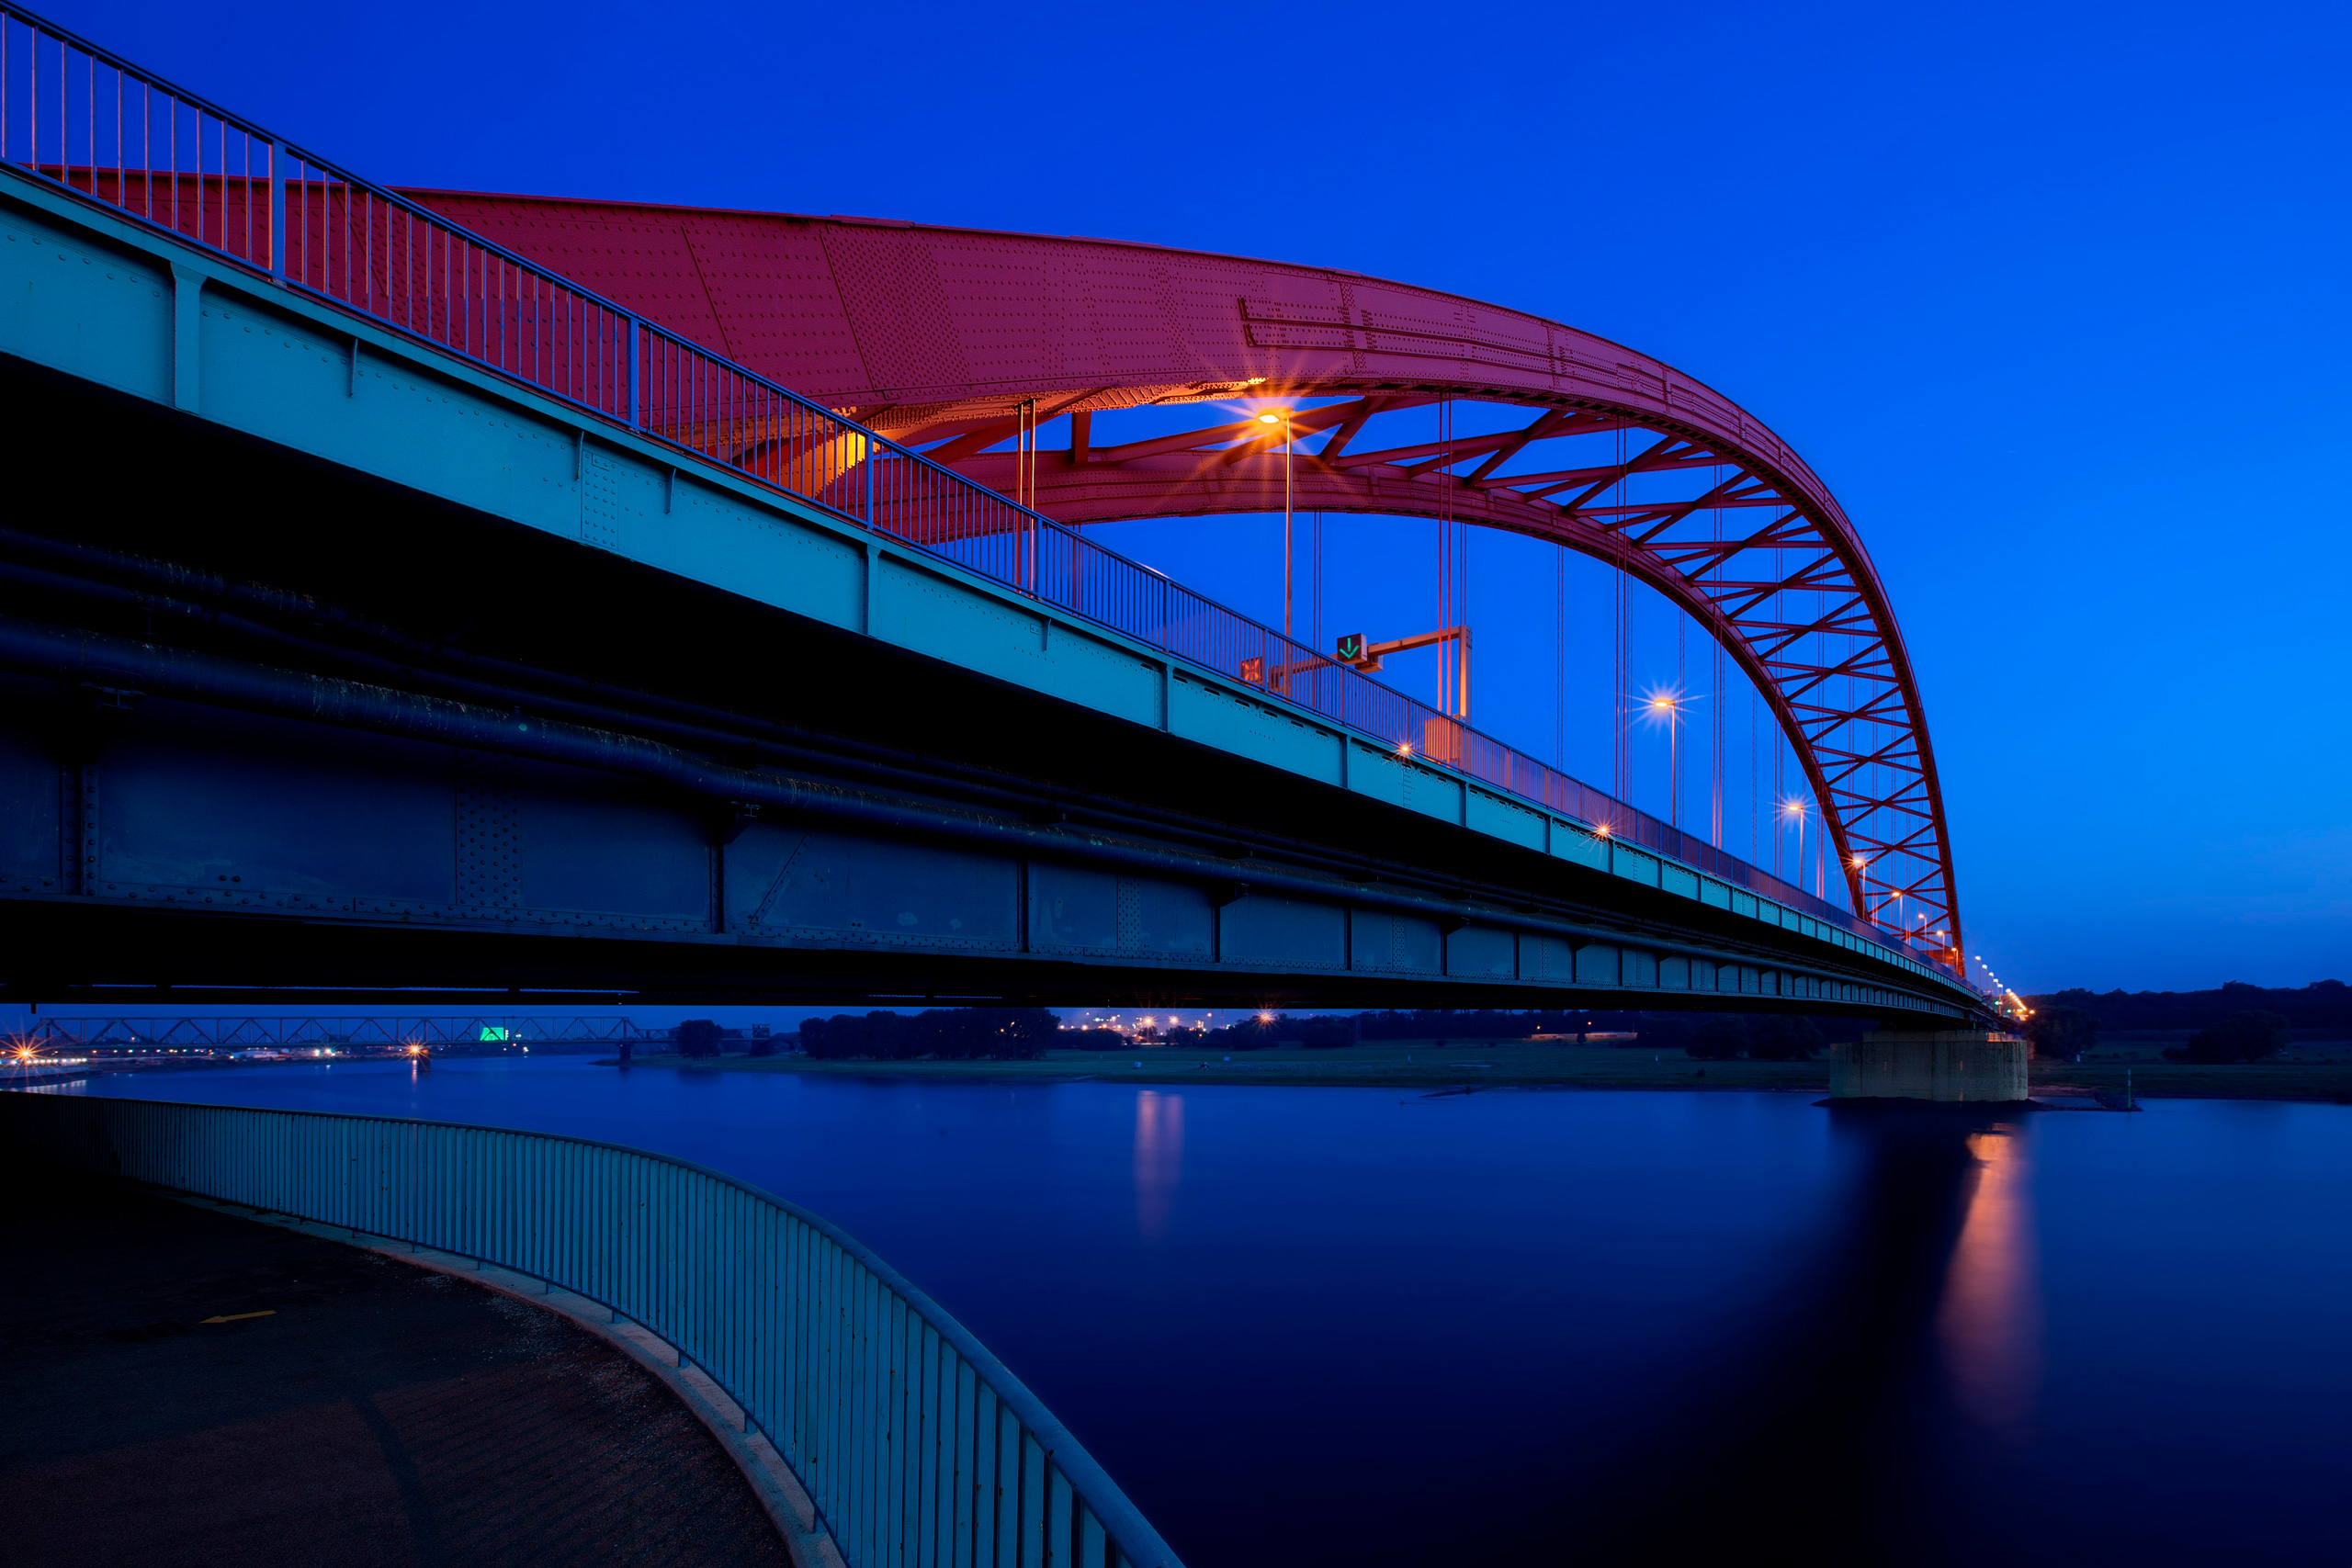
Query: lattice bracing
point(959, 340)
point(1793, 600)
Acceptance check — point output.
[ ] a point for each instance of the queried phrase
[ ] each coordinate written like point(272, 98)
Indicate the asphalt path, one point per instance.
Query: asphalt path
point(185, 1387)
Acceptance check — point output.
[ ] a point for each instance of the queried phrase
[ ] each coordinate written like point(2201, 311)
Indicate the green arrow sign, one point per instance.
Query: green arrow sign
point(1350, 649)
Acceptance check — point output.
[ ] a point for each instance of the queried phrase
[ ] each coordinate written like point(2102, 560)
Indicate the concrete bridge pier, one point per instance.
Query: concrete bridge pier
point(1949, 1066)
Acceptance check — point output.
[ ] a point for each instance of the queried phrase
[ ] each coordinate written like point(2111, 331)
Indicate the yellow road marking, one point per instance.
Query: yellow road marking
point(269, 1311)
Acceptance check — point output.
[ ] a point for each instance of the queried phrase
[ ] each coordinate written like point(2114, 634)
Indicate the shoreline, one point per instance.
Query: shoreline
point(1430, 1066)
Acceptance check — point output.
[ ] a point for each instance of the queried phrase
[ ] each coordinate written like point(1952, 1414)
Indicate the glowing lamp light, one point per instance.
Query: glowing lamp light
point(1269, 418)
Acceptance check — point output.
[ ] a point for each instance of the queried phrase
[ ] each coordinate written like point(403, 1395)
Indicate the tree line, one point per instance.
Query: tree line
point(2060, 1032)
point(2234, 1023)
point(2321, 1004)
point(1764, 1037)
point(951, 1035)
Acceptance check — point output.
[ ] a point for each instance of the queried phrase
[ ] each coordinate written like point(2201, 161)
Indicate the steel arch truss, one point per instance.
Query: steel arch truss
point(942, 336)
point(1736, 548)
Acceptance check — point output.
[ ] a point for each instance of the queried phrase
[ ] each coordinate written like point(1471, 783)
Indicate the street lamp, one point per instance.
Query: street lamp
point(1281, 417)
point(1667, 708)
point(1796, 808)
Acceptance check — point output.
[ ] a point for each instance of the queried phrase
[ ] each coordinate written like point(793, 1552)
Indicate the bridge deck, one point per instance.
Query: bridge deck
point(379, 1415)
point(375, 670)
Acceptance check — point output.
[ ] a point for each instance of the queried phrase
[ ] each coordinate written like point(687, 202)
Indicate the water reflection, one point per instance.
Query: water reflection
point(1588, 1329)
point(1159, 1159)
point(1823, 1422)
point(1989, 1324)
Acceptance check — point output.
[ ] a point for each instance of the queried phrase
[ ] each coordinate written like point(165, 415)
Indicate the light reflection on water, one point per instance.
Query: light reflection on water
point(1989, 1323)
point(1160, 1160)
point(1311, 1327)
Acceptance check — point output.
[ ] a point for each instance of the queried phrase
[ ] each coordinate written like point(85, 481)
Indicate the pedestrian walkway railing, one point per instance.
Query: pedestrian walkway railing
point(915, 1444)
point(86, 119)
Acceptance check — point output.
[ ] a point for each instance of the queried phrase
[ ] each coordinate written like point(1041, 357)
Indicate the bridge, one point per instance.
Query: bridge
point(221, 1036)
point(441, 597)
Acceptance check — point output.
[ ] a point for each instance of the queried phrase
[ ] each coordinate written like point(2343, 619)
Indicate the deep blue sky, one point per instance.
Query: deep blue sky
point(2052, 295)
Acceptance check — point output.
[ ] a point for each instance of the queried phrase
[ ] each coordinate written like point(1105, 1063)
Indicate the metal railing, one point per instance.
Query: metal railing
point(85, 119)
point(916, 1445)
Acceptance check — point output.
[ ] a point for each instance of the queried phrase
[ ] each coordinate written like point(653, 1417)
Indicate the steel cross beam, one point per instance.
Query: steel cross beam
point(935, 335)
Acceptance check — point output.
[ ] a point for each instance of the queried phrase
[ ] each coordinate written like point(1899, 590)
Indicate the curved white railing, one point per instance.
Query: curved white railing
point(916, 1445)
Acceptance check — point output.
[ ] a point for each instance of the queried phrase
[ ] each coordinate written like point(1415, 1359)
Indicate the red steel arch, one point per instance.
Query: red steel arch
point(935, 335)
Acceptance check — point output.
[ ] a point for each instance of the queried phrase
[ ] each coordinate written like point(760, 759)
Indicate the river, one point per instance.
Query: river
point(1359, 1326)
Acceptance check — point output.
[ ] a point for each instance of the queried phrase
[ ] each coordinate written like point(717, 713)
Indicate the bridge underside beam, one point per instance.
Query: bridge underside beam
point(295, 730)
point(231, 961)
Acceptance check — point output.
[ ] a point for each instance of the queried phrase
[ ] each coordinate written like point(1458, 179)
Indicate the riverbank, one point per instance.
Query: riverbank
point(1431, 1065)
point(1403, 1063)
point(2323, 1081)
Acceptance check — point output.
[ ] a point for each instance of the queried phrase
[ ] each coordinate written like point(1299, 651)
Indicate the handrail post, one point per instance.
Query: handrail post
point(276, 210)
point(636, 408)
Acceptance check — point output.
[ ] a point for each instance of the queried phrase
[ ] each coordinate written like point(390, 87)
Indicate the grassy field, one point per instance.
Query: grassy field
point(2286, 1078)
point(2150, 1047)
point(1431, 1068)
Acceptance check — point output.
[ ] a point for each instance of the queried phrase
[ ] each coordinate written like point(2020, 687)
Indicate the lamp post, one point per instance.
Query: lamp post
point(1281, 417)
point(1669, 709)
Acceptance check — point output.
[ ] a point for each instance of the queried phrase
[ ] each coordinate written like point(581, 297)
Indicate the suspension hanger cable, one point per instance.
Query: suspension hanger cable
point(1755, 778)
point(1780, 805)
point(1617, 641)
point(1716, 740)
point(1445, 556)
point(1560, 658)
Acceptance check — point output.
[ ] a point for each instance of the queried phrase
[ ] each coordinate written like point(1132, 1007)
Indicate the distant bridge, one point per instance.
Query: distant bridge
point(388, 1032)
point(395, 618)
